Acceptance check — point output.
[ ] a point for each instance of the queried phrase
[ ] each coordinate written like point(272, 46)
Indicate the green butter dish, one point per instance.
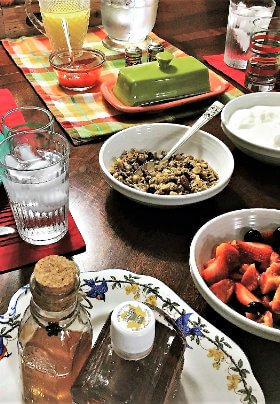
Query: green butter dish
point(165, 79)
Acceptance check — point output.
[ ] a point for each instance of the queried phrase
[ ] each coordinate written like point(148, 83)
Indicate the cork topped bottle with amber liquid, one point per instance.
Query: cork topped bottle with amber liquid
point(55, 334)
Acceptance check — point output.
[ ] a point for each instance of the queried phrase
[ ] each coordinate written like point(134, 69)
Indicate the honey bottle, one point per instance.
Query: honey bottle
point(55, 334)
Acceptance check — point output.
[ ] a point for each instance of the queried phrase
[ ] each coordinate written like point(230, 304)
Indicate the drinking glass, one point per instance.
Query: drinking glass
point(75, 12)
point(263, 68)
point(26, 118)
point(127, 22)
point(34, 169)
point(241, 15)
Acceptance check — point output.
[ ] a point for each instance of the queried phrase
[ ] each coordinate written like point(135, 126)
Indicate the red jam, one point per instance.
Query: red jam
point(82, 78)
point(82, 72)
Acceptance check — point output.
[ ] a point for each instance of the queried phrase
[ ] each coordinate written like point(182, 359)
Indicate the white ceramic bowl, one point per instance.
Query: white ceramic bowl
point(162, 136)
point(266, 154)
point(232, 225)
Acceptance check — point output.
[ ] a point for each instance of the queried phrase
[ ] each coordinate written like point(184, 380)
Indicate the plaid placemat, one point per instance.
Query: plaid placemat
point(87, 116)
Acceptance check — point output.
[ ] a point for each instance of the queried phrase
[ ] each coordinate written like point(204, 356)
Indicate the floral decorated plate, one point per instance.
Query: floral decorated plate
point(215, 370)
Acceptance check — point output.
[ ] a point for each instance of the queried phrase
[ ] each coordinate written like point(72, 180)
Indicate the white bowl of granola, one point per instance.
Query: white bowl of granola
point(199, 170)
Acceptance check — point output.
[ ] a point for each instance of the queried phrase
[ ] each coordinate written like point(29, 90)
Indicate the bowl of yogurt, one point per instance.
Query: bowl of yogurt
point(252, 123)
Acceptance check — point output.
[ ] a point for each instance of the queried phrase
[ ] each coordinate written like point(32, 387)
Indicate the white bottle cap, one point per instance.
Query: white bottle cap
point(132, 330)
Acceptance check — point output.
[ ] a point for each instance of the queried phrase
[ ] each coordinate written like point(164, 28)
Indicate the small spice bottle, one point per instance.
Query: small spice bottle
point(133, 56)
point(55, 334)
point(136, 359)
point(152, 50)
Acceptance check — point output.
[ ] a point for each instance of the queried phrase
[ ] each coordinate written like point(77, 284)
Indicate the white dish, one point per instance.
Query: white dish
point(266, 154)
point(162, 136)
point(213, 362)
point(230, 226)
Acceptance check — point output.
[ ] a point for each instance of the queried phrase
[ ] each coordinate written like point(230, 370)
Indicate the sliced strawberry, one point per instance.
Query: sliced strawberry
point(275, 303)
point(250, 278)
point(274, 257)
point(215, 271)
point(207, 263)
point(254, 252)
point(244, 296)
point(223, 289)
point(230, 255)
point(244, 268)
point(274, 269)
point(266, 283)
point(267, 319)
point(270, 279)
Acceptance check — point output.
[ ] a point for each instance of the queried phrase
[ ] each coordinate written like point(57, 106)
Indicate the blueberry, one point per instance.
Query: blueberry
point(253, 235)
point(276, 237)
point(255, 308)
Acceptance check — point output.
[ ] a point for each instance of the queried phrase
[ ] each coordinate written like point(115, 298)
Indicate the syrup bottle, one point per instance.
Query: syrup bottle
point(55, 333)
point(135, 360)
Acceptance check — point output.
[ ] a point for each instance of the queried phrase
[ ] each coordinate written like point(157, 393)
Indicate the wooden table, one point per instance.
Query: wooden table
point(122, 234)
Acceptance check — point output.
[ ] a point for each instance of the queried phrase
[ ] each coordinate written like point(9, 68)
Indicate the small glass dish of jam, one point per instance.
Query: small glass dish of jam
point(79, 72)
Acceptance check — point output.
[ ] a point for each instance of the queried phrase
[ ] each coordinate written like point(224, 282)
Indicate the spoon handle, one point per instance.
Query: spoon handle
point(65, 27)
point(212, 111)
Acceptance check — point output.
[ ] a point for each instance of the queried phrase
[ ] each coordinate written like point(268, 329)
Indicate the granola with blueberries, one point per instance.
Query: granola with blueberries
point(182, 174)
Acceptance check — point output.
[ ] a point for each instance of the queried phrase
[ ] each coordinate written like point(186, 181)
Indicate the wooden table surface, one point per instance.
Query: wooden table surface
point(122, 234)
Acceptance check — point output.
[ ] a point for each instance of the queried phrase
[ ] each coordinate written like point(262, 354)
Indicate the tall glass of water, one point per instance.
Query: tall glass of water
point(240, 26)
point(34, 169)
point(127, 22)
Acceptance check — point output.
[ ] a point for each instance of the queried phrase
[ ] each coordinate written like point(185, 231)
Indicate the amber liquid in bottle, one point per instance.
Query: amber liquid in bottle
point(55, 334)
point(48, 370)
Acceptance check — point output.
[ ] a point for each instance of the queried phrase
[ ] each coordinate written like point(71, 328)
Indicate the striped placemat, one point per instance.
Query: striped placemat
point(87, 116)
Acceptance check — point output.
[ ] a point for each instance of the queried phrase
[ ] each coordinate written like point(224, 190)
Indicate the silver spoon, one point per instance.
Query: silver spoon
point(212, 111)
point(6, 230)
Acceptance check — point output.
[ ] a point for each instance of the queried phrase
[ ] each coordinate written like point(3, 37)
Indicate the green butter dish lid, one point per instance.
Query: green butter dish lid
point(166, 78)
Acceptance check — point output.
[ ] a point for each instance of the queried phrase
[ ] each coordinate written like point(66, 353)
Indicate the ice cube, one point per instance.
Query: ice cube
point(39, 163)
point(242, 38)
point(25, 152)
point(11, 161)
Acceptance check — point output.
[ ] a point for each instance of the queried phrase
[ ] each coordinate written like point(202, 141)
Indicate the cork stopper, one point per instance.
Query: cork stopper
point(54, 282)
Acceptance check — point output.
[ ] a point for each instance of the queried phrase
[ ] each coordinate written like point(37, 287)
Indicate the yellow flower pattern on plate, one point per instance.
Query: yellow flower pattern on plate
point(218, 357)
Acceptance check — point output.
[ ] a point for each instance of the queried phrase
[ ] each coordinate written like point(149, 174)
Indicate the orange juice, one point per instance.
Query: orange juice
point(77, 22)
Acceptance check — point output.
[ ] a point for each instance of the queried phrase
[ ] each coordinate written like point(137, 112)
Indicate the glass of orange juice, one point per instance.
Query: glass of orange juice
point(75, 12)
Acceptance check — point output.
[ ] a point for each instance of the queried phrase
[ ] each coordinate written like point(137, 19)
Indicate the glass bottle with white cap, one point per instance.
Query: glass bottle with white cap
point(137, 359)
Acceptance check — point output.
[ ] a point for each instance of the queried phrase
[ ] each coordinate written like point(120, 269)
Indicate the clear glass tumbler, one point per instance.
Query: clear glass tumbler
point(127, 22)
point(240, 26)
point(34, 169)
point(262, 73)
point(26, 118)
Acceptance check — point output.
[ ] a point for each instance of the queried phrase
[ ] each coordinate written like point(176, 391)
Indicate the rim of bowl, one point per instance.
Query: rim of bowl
point(166, 197)
point(260, 328)
point(235, 101)
point(96, 52)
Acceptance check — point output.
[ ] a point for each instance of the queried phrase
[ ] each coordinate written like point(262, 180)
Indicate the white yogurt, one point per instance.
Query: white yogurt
point(259, 125)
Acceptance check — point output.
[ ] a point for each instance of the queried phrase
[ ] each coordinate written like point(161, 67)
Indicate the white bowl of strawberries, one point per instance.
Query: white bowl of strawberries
point(235, 265)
